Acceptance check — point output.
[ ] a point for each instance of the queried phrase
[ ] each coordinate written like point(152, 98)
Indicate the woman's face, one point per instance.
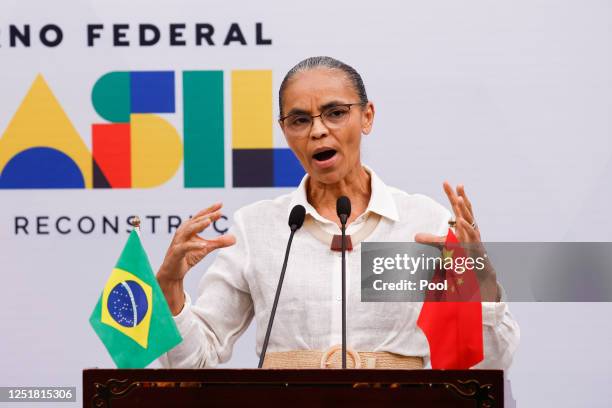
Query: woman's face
point(327, 151)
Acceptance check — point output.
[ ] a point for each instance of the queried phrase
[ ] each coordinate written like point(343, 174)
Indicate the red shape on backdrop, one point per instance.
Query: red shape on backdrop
point(452, 320)
point(112, 153)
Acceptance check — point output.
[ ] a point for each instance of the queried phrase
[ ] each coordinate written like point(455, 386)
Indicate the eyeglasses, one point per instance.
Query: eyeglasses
point(333, 117)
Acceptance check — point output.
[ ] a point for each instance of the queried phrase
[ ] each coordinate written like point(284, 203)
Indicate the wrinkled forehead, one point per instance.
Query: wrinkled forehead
point(312, 89)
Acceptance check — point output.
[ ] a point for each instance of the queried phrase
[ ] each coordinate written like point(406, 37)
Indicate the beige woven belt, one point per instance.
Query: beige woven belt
point(332, 358)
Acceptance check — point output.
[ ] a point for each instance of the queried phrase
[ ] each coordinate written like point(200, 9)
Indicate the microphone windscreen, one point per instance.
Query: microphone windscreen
point(296, 218)
point(343, 207)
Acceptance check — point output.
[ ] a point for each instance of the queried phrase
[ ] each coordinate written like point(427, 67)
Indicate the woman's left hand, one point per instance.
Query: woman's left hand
point(468, 234)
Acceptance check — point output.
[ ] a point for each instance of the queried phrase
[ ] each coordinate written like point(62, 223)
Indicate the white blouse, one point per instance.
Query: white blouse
point(241, 283)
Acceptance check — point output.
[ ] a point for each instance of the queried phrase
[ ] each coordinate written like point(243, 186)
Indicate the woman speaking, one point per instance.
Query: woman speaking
point(324, 112)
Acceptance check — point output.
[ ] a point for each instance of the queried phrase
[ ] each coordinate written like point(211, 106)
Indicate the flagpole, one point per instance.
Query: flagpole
point(135, 222)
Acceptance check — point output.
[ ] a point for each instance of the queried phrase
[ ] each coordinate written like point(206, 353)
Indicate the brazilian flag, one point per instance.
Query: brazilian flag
point(132, 317)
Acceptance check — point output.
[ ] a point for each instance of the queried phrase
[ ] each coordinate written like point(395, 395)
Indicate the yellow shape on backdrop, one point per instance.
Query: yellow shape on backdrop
point(252, 115)
point(40, 121)
point(156, 150)
point(140, 332)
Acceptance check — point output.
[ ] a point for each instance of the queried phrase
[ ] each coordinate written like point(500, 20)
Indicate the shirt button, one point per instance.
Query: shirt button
point(339, 298)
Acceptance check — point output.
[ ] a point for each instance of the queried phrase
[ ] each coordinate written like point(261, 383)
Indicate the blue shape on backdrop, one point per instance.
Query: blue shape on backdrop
point(288, 171)
point(126, 301)
point(152, 92)
point(41, 167)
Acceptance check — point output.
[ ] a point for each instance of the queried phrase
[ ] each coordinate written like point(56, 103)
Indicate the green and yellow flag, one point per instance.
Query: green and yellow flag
point(132, 317)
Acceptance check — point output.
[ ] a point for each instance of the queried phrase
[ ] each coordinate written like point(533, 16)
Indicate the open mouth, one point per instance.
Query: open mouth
point(324, 155)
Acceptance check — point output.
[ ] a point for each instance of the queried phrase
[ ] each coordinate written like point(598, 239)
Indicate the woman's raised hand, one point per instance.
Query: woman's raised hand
point(186, 250)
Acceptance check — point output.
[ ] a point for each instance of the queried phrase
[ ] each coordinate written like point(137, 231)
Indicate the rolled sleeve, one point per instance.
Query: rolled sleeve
point(501, 334)
point(184, 318)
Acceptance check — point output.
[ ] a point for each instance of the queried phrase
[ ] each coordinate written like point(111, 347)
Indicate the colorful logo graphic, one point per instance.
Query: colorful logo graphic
point(126, 305)
point(138, 148)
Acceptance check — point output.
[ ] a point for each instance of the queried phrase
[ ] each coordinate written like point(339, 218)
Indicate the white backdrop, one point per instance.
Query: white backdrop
point(511, 98)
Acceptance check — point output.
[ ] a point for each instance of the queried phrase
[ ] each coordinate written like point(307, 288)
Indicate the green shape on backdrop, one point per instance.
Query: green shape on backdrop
point(110, 97)
point(203, 129)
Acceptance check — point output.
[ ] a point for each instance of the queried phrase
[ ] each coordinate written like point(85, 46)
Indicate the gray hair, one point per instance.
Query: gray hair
point(324, 62)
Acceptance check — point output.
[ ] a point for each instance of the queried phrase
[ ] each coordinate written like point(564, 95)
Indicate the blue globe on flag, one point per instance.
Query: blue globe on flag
point(127, 303)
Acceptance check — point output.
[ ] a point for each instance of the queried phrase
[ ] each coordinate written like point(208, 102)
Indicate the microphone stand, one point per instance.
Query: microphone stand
point(278, 291)
point(343, 221)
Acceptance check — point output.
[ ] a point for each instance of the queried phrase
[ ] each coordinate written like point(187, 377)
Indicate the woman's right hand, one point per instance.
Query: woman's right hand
point(186, 250)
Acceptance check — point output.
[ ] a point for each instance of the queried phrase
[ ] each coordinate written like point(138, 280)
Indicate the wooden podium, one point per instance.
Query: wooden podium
point(292, 388)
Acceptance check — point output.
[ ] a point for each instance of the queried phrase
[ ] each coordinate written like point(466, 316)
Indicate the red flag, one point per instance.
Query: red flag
point(453, 323)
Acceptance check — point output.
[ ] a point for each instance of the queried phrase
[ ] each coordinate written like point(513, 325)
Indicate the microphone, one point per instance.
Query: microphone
point(343, 209)
point(296, 220)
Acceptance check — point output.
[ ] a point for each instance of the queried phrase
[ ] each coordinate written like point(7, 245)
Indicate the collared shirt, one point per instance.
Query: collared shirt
point(241, 283)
